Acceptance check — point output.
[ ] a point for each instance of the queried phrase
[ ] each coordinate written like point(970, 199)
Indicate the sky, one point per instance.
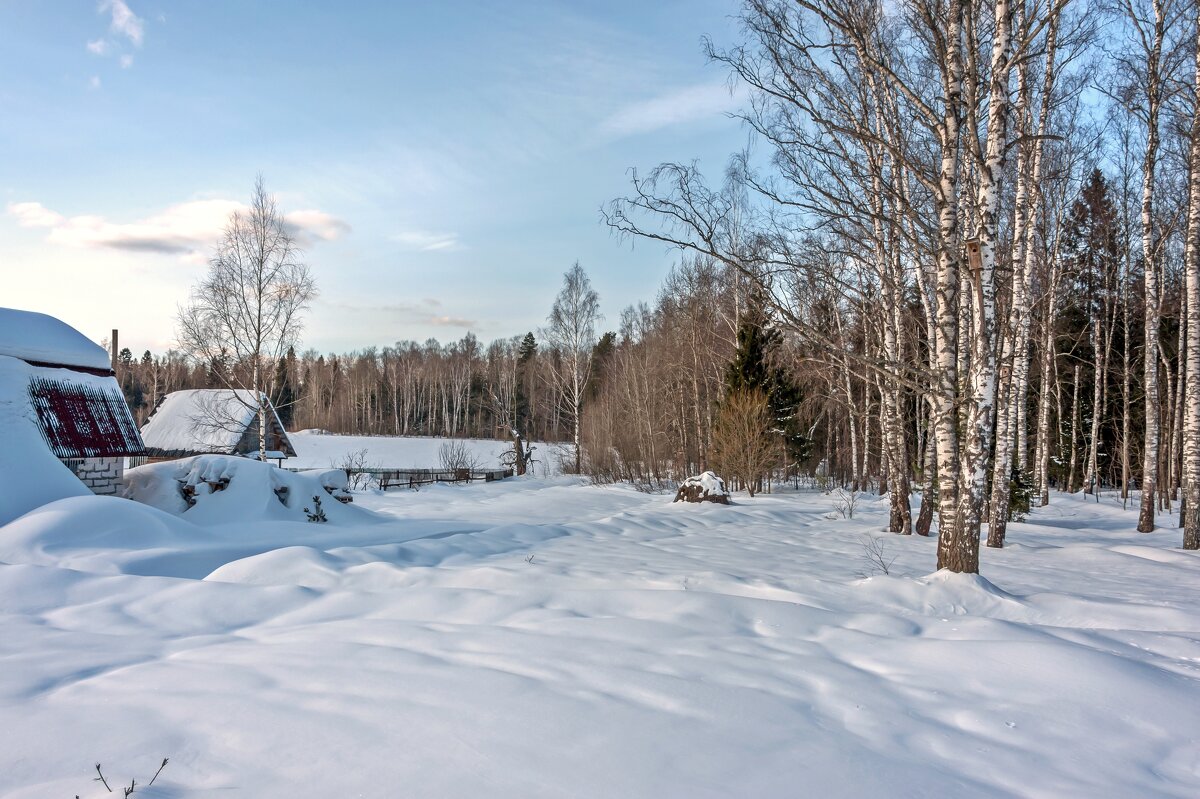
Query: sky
point(442, 163)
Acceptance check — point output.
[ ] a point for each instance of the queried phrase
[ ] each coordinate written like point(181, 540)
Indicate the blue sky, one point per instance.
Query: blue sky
point(445, 162)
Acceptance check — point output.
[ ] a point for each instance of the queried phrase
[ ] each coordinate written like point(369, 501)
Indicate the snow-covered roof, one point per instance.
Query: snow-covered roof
point(82, 415)
point(41, 339)
point(201, 420)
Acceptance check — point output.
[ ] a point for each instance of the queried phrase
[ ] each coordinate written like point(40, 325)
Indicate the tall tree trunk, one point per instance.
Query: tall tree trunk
point(1073, 442)
point(1150, 258)
point(958, 550)
point(1191, 423)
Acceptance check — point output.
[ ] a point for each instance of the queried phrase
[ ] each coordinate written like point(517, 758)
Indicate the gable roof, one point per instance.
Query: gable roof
point(82, 415)
point(45, 341)
point(211, 420)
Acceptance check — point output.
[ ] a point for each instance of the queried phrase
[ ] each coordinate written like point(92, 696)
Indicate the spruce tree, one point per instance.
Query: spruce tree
point(601, 354)
point(752, 369)
point(285, 393)
point(525, 355)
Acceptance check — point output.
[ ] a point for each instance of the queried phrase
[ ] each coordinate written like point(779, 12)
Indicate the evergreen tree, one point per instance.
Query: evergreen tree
point(601, 354)
point(525, 355)
point(752, 369)
point(284, 397)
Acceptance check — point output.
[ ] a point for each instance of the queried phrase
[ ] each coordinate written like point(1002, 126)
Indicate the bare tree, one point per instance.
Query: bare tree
point(248, 306)
point(743, 447)
point(572, 329)
point(1147, 62)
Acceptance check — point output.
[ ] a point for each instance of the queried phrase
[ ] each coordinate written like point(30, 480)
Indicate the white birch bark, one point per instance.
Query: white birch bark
point(1191, 419)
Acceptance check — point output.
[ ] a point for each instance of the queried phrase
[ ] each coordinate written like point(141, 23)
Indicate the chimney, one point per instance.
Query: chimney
point(115, 349)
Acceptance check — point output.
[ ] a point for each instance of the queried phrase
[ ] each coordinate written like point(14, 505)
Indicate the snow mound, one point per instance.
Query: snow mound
point(943, 593)
point(705, 487)
point(74, 533)
point(224, 489)
point(29, 473)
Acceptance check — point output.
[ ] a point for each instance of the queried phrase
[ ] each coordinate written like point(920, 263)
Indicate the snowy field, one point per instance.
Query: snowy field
point(318, 450)
point(546, 638)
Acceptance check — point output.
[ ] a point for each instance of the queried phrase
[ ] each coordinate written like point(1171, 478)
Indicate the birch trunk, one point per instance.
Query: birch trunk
point(956, 549)
point(982, 374)
point(1191, 421)
point(1150, 259)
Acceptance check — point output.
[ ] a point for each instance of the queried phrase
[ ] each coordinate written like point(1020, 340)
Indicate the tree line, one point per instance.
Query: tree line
point(980, 222)
point(960, 260)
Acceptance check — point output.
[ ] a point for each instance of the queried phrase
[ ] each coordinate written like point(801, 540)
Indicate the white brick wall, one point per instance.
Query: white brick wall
point(101, 475)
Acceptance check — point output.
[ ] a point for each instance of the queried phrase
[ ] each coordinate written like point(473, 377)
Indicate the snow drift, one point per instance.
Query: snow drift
point(227, 489)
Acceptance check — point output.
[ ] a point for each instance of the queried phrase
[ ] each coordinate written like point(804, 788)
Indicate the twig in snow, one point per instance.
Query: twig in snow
point(160, 768)
point(876, 557)
point(101, 778)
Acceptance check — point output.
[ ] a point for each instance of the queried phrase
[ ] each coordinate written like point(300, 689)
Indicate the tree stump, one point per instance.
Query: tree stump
point(706, 487)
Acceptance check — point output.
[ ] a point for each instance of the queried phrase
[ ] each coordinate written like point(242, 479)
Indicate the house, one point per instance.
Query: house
point(61, 383)
point(206, 421)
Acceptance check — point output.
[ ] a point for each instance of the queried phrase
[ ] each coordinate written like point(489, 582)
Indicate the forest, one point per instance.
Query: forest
point(960, 259)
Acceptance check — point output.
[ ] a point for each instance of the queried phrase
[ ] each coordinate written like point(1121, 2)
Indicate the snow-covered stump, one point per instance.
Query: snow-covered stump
point(706, 487)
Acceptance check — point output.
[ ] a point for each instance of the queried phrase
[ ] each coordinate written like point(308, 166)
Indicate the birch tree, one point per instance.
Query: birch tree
point(249, 305)
point(571, 327)
point(1191, 432)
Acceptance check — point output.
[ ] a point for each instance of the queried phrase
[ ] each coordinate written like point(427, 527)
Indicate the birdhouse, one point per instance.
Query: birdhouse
point(974, 255)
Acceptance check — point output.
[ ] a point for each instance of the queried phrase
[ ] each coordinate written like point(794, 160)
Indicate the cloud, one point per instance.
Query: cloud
point(451, 321)
point(98, 47)
point(407, 313)
point(94, 82)
point(124, 21)
point(312, 224)
point(126, 61)
point(186, 229)
point(34, 215)
point(426, 241)
point(690, 104)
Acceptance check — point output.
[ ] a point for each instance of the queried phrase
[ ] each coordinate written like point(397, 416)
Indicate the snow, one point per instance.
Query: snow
point(200, 420)
point(232, 489)
point(33, 336)
point(710, 485)
point(547, 638)
point(316, 449)
point(30, 474)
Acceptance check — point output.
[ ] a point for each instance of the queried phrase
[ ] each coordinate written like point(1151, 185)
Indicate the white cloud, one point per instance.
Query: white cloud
point(316, 224)
point(126, 61)
point(98, 47)
point(693, 103)
point(94, 82)
point(451, 321)
point(421, 312)
point(124, 21)
point(33, 215)
point(187, 229)
point(426, 241)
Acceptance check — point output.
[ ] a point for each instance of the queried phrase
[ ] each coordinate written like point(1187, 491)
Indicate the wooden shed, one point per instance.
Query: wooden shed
point(212, 421)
